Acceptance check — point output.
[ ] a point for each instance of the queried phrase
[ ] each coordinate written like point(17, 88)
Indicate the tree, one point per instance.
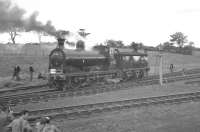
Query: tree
point(102, 49)
point(134, 46)
point(98, 47)
point(11, 19)
point(120, 43)
point(13, 32)
point(191, 44)
point(188, 48)
point(179, 38)
point(114, 43)
point(167, 44)
point(111, 43)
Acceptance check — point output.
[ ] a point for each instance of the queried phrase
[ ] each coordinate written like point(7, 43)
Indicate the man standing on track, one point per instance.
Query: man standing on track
point(171, 68)
point(18, 69)
point(31, 70)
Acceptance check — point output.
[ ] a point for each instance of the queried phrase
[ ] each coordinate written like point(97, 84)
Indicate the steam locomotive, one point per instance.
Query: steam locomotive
point(78, 68)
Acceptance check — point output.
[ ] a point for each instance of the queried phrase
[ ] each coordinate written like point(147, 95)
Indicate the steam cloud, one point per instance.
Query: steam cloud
point(13, 16)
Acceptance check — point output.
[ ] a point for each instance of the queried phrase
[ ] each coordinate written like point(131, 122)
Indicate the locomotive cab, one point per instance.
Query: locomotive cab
point(135, 63)
point(127, 58)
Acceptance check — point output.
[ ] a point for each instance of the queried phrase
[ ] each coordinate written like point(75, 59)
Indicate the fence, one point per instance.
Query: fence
point(25, 50)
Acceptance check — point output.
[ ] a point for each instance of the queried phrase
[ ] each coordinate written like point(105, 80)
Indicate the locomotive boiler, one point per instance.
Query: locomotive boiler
point(79, 68)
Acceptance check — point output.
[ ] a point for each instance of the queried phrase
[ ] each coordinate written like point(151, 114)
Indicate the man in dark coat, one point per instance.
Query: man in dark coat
point(31, 70)
point(48, 127)
point(171, 68)
point(18, 69)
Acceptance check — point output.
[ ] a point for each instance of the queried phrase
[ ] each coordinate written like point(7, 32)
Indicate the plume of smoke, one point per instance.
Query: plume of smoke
point(12, 16)
point(31, 24)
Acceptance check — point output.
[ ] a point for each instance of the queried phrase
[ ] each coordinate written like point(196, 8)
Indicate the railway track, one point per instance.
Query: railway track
point(75, 112)
point(45, 88)
point(25, 89)
point(46, 96)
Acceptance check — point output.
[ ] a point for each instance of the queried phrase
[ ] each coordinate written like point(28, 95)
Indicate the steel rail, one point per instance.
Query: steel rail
point(52, 95)
point(75, 112)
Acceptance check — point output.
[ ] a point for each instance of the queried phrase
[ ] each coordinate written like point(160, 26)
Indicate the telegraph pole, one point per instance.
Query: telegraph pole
point(160, 65)
point(160, 69)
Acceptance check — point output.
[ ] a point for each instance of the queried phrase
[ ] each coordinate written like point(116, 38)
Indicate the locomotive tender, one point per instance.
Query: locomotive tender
point(76, 68)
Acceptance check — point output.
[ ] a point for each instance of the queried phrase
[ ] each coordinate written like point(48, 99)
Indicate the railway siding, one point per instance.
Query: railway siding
point(127, 94)
point(47, 95)
point(44, 87)
point(75, 112)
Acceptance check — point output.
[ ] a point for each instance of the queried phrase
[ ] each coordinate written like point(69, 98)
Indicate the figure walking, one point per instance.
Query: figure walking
point(171, 68)
point(31, 70)
point(18, 69)
point(49, 127)
point(40, 125)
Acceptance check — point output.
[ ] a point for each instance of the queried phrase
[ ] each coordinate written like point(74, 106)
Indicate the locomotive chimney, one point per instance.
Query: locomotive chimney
point(61, 42)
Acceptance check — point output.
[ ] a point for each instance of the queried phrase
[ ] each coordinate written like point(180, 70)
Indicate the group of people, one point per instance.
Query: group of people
point(44, 125)
point(16, 73)
point(9, 123)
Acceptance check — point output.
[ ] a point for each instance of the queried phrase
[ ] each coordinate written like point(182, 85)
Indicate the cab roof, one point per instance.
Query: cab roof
point(129, 52)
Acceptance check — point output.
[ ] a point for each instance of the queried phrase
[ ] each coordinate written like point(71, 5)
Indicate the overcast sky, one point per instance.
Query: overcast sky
point(147, 21)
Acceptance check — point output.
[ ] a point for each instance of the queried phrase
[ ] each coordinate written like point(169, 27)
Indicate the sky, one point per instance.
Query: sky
point(148, 21)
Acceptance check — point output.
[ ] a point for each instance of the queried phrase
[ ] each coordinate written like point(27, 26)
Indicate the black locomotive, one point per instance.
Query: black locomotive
point(78, 68)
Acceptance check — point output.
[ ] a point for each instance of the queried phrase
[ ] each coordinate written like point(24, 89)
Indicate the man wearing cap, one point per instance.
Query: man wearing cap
point(40, 125)
point(31, 70)
point(49, 127)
